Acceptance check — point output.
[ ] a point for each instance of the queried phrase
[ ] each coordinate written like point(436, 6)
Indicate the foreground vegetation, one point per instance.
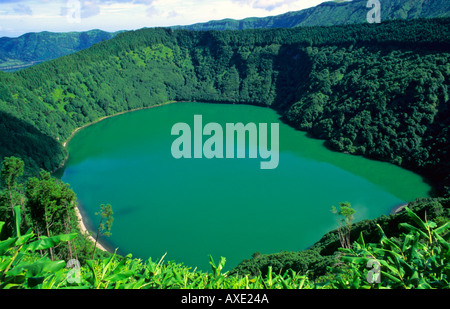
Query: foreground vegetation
point(419, 259)
point(41, 247)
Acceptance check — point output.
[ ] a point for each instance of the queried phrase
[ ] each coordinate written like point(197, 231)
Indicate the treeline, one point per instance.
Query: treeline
point(44, 206)
point(377, 90)
point(390, 105)
point(38, 150)
point(325, 254)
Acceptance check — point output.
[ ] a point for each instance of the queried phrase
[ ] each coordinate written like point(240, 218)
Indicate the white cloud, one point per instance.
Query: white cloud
point(22, 9)
point(152, 11)
point(89, 9)
point(113, 15)
point(268, 5)
point(173, 14)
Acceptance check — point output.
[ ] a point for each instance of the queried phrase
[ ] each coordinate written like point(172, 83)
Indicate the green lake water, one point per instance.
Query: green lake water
point(191, 208)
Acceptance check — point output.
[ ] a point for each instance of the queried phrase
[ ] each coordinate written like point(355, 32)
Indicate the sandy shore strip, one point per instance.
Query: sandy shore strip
point(85, 231)
point(398, 208)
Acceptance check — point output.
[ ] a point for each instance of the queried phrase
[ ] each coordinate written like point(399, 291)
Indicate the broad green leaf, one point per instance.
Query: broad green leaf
point(24, 239)
point(133, 285)
point(423, 285)
point(355, 282)
point(91, 266)
point(407, 240)
point(17, 213)
point(355, 259)
point(443, 242)
point(389, 266)
point(120, 276)
point(7, 244)
point(416, 219)
point(11, 286)
point(49, 242)
point(302, 282)
point(392, 245)
point(120, 266)
point(4, 264)
point(107, 264)
point(269, 277)
point(285, 284)
point(36, 268)
point(443, 228)
point(177, 275)
point(361, 240)
point(395, 279)
point(412, 228)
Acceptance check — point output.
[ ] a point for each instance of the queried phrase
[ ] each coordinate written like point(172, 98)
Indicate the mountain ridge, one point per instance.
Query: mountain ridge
point(342, 12)
point(36, 47)
point(26, 50)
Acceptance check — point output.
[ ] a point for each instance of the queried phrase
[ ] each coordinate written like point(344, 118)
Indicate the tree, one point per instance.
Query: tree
point(104, 228)
point(12, 169)
point(42, 201)
point(50, 204)
point(346, 213)
point(68, 202)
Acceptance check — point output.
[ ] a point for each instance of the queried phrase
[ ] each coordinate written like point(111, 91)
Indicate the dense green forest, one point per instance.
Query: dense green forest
point(375, 90)
point(32, 48)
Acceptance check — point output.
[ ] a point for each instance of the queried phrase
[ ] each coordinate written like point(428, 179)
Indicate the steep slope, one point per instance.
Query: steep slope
point(33, 48)
point(375, 90)
point(334, 13)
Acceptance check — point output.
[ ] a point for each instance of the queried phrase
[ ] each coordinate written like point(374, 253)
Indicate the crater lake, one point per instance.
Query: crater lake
point(193, 208)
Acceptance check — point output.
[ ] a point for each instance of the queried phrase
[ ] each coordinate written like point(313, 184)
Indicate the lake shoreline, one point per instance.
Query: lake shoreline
point(85, 231)
point(74, 132)
point(118, 114)
point(82, 226)
point(398, 208)
point(95, 140)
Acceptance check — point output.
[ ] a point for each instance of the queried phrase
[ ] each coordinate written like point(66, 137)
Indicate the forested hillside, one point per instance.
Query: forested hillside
point(333, 13)
point(33, 48)
point(376, 90)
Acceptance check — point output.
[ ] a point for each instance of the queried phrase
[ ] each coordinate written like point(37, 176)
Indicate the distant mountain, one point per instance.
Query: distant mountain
point(333, 13)
point(33, 48)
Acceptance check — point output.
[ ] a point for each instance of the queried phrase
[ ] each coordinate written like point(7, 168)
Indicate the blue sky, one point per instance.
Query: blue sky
point(21, 16)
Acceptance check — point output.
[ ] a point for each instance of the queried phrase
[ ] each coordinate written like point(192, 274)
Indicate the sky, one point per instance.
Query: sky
point(21, 16)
